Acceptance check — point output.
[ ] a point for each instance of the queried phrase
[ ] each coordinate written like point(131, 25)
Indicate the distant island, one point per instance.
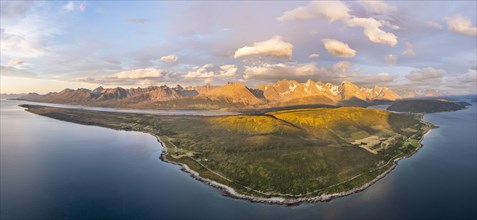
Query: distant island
point(228, 97)
point(426, 105)
point(283, 157)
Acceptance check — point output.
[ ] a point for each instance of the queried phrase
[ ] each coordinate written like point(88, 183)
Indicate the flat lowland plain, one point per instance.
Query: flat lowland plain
point(299, 153)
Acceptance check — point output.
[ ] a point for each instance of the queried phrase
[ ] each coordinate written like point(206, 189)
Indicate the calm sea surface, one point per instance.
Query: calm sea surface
point(55, 169)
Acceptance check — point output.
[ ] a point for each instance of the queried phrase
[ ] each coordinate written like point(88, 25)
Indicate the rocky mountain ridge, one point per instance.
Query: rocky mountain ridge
point(228, 96)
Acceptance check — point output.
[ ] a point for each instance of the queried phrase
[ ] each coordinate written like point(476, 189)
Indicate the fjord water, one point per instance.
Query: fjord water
point(55, 169)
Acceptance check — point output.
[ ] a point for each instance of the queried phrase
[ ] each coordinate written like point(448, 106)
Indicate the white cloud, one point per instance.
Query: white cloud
point(409, 51)
point(461, 24)
point(204, 71)
point(228, 70)
point(305, 71)
point(464, 83)
point(378, 7)
point(388, 24)
point(280, 71)
point(27, 37)
point(426, 74)
point(314, 55)
point(275, 47)
point(341, 66)
point(469, 78)
point(209, 72)
point(331, 10)
point(338, 48)
point(434, 25)
point(14, 62)
point(336, 10)
point(71, 6)
point(137, 77)
point(372, 30)
point(169, 58)
point(391, 59)
point(137, 74)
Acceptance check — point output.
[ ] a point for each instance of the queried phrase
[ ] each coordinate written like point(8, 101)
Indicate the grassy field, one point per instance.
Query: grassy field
point(290, 153)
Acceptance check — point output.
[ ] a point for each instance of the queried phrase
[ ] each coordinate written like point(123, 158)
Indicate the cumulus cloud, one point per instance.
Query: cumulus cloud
point(169, 58)
point(389, 24)
point(469, 78)
point(461, 24)
point(336, 10)
point(141, 77)
point(137, 74)
point(228, 70)
point(275, 47)
point(208, 72)
point(465, 83)
point(341, 66)
point(391, 59)
point(449, 84)
point(425, 74)
point(314, 55)
point(378, 7)
point(438, 81)
point(298, 71)
point(14, 62)
point(204, 71)
point(371, 29)
point(409, 51)
point(280, 71)
point(330, 10)
point(338, 48)
point(304, 71)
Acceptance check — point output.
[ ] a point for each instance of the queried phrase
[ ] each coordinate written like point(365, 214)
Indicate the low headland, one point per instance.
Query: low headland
point(281, 157)
point(426, 105)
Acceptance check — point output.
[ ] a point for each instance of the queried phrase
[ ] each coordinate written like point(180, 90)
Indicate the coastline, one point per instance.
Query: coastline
point(230, 192)
point(277, 199)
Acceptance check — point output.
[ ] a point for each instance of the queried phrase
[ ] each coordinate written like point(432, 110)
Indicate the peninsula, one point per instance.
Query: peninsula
point(426, 105)
point(282, 157)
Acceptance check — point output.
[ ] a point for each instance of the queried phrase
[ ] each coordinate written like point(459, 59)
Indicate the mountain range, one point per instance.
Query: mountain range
point(231, 96)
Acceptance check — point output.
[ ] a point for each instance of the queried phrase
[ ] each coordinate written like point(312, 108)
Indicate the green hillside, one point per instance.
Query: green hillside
point(293, 153)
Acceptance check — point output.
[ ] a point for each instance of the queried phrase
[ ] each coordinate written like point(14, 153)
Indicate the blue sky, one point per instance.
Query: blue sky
point(47, 46)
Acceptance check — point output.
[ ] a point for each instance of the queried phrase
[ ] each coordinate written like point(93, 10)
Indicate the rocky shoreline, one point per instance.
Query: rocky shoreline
point(230, 192)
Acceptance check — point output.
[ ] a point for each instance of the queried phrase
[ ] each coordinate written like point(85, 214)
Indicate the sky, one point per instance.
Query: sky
point(405, 45)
